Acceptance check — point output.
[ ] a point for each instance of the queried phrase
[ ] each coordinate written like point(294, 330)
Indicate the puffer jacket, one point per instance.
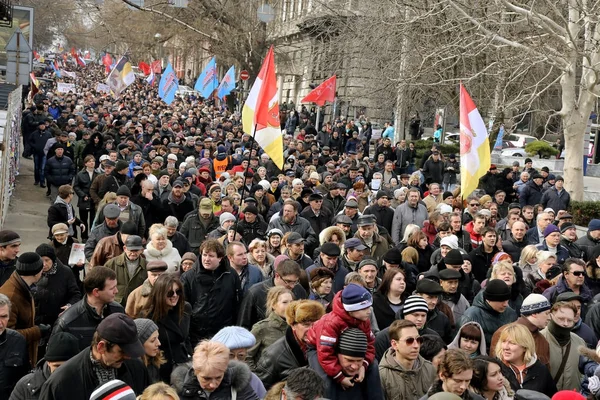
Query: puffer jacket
point(266, 332)
point(331, 326)
point(490, 320)
point(237, 378)
point(59, 171)
point(455, 344)
point(215, 298)
point(15, 361)
point(399, 383)
point(30, 386)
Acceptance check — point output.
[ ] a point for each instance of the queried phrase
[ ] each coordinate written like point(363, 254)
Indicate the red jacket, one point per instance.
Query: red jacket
point(476, 238)
point(429, 231)
point(325, 333)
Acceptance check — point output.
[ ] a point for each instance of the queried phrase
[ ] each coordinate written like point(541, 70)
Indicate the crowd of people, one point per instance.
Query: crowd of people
point(182, 263)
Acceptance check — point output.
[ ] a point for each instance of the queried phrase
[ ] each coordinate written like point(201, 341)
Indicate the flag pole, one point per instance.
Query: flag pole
point(237, 217)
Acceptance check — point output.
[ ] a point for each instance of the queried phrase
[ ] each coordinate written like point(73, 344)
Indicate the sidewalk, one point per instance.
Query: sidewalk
point(28, 209)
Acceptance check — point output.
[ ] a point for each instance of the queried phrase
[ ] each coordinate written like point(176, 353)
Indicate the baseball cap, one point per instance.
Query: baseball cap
point(120, 329)
point(354, 243)
point(295, 238)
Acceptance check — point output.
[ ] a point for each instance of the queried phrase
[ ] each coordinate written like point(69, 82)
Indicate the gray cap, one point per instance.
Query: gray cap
point(295, 238)
point(111, 211)
point(364, 220)
point(134, 242)
point(352, 203)
point(343, 219)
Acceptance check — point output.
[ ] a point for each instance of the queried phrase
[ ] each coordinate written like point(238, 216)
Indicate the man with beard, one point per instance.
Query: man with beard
point(178, 205)
point(198, 225)
point(114, 354)
point(290, 221)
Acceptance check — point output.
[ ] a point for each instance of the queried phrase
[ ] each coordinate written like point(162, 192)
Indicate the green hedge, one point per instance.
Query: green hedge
point(423, 145)
point(584, 211)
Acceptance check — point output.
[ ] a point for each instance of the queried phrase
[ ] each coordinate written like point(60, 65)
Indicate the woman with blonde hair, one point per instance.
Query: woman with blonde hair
point(213, 375)
point(230, 189)
point(520, 365)
point(109, 198)
point(545, 275)
point(160, 248)
point(159, 391)
point(504, 271)
point(528, 261)
point(408, 231)
point(270, 329)
point(258, 255)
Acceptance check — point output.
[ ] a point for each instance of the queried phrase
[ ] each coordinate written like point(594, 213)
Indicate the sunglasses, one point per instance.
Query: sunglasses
point(474, 204)
point(171, 293)
point(411, 340)
point(578, 273)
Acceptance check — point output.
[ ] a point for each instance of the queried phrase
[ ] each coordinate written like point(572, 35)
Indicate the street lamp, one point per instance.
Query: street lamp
point(157, 36)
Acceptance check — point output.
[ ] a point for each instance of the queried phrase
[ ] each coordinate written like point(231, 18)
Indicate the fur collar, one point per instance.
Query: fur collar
point(238, 376)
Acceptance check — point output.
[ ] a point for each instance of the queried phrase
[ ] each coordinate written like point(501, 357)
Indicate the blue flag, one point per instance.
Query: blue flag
point(227, 84)
point(56, 71)
point(168, 85)
point(207, 81)
point(498, 144)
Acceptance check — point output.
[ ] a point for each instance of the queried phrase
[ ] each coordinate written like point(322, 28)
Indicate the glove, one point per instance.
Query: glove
point(594, 384)
point(45, 330)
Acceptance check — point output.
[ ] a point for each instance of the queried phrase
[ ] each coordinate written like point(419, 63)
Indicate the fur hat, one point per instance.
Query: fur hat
point(301, 311)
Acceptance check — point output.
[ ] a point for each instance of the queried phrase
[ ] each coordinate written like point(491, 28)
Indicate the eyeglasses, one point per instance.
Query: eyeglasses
point(578, 273)
point(171, 293)
point(288, 282)
point(411, 340)
point(474, 204)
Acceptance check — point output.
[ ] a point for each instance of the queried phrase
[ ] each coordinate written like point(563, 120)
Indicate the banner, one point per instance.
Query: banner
point(227, 84)
point(70, 74)
point(207, 81)
point(65, 87)
point(168, 85)
point(156, 66)
point(121, 76)
point(102, 87)
point(498, 144)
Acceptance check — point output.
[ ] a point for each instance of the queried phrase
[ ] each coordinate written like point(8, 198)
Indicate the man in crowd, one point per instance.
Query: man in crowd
point(571, 280)
point(410, 212)
point(516, 243)
point(13, 347)
point(377, 244)
point(10, 244)
point(109, 227)
point(130, 268)
point(249, 274)
point(591, 239)
point(199, 224)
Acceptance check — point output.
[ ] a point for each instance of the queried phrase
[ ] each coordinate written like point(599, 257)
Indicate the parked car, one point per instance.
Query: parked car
point(520, 140)
point(513, 152)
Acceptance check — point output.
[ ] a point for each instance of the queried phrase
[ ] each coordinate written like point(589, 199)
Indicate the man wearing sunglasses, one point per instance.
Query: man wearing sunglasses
point(402, 357)
point(572, 280)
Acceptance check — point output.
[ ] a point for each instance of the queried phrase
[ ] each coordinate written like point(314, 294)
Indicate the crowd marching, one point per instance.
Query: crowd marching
point(182, 263)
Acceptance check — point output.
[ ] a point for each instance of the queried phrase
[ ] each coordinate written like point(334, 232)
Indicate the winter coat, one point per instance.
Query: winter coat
point(457, 303)
point(59, 171)
point(382, 310)
point(481, 261)
point(574, 249)
point(38, 140)
point(96, 234)
point(514, 248)
point(112, 183)
point(383, 215)
point(489, 183)
point(195, 232)
point(530, 195)
point(135, 216)
point(551, 198)
point(405, 215)
point(253, 307)
point(57, 214)
point(537, 377)
point(320, 222)
point(332, 325)
point(587, 243)
point(299, 225)
point(279, 359)
point(266, 332)
point(437, 388)
point(571, 377)
point(169, 254)
point(126, 283)
point(138, 299)
point(250, 276)
point(434, 170)
point(451, 169)
point(180, 242)
point(82, 186)
point(22, 313)
point(439, 322)
point(399, 383)
point(107, 249)
point(562, 253)
point(561, 287)
point(76, 378)
point(489, 319)
point(339, 272)
point(584, 331)
point(237, 379)
point(81, 320)
point(251, 231)
point(214, 296)
point(53, 292)
point(455, 344)
point(15, 361)
point(30, 386)
point(151, 210)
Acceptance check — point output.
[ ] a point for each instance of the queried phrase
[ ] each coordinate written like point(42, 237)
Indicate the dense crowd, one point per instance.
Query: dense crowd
point(182, 263)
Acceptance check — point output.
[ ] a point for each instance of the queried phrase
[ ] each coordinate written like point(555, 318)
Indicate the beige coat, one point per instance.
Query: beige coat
point(571, 377)
point(138, 299)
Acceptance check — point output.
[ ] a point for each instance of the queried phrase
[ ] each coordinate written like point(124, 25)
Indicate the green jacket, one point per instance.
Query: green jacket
point(125, 283)
point(399, 383)
point(266, 332)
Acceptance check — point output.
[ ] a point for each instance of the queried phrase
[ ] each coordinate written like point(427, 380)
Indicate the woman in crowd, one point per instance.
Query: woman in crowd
point(270, 329)
point(213, 375)
point(171, 313)
point(138, 298)
point(274, 237)
point(520, 365)
point(471, 339)
point(160, 248)
point(387, 300)
point(153, 356)
point(488, 380)
point(504, 270)
point(545, 275)
point(418, 241)
point(528, 261)
point(321, 283)
point(289, 352)
point(257, 255)
point(62, 244)
point(187, 261)
point(159, 391)
point(333, 234)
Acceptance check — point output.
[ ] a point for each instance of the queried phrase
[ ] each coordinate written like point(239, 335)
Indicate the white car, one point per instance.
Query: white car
point(514, 152)
point(452, 138)
point(186, 91)
point(519, 139)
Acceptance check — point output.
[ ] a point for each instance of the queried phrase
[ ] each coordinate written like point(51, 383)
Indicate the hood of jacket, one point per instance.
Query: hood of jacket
point(327, 233)
point(154, 252)
point(238, 375)
point(455, 344)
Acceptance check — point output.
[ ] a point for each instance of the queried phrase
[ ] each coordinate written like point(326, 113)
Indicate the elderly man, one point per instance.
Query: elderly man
point(318, 216)
point(552, 244)
point(111, 225)
point(531, 194)
point(290, 221)
point(329, 258)
point(410, 212)
point(353, 254)
point(112, 246)
point(178, 240)
point(377, 244)
point(535, 235)
point(138, 298)
point(226, 220)
point(198, 225)
point(130, 268)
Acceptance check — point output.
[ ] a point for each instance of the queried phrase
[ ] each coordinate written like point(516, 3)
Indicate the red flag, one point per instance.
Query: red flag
point(322, 93)
point(145, 68)
point(73, 52)
point(156, 66)
point(36, 55)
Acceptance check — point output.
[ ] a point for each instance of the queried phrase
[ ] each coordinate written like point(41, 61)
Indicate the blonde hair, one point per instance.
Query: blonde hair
point(543, 256)
point(158, 229)
point(158, 391)
point(210, 356)
point(527, 253)
point(518, 334)
point(273, 296)
point(409, 230)
point(503, 266)
point(257, 243)
point(410, 255)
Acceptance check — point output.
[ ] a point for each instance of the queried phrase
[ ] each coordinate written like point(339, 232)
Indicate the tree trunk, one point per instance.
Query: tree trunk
point(574, 129)
point(400, 114)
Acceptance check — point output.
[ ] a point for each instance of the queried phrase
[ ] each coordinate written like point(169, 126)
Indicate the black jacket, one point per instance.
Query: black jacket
point(251, 231)
point(112, 183)
point(574, 249)
point(177, 210)
point(318, 223)
point(81, 186)
point(53, 292)
point(179, 242)
point(151, 210)
point(15, 361)
point(481, 262)
point(57, 213)
point(6, 270)
point(439, 322)
point(537, 377)
point(531, 195)
point(279, 359)
point(254, 305)
point(382, 310)
point(59, 171)
point(214, 296)
point(30, 386)
point(81, 321)
point(514, 248)
point(76, 379)
point(38, 140)
point(383, 215)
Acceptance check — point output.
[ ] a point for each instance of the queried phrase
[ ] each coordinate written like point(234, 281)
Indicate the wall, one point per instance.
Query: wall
point(10, 149)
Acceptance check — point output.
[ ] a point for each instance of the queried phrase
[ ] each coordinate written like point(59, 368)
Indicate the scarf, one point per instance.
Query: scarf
point(51, 271)
point(104, 374)
point(69, 207)
point(172, 198)
point(562, 335)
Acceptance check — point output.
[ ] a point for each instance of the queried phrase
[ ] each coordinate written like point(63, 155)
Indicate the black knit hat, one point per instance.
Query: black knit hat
point(29, 264)
point(496, 290)
point(121, 165)
point(129, 228)
point(123, 191)
point(45, 250)
point(9, 237)
point(352, 343)
point(61, 347)
point(393, 256)
point(454, 257)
